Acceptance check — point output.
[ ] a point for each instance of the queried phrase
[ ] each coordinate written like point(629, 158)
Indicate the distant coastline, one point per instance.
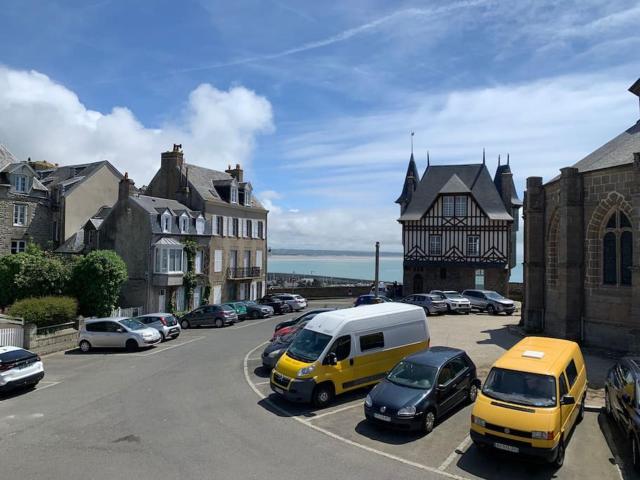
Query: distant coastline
point(328, 253)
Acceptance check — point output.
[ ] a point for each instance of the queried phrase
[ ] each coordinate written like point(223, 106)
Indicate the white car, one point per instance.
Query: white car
point(296, 302)
point(19, 368)
point(454, 300)
point(116, 332)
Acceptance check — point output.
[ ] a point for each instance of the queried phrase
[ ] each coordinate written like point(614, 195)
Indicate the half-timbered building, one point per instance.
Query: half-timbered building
point(458, 227)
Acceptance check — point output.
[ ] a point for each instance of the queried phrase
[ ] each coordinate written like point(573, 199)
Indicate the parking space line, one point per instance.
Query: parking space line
point(337, 410)
point(258, 384)
point(459, 450)
point(249, 324)
point(153, 352)
point(334, 435)
point(48, 384)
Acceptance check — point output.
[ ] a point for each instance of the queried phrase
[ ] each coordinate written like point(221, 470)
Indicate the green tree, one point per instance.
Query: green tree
point(96, 281)
point(41, 275)
point(9, 268)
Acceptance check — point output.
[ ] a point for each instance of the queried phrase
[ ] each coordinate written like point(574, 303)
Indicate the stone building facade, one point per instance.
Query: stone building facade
point(582, 248)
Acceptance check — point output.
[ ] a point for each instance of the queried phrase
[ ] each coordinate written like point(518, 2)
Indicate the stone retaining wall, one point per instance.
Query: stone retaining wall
point(51, 342)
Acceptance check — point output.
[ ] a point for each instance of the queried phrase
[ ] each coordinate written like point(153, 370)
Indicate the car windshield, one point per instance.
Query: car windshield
point(522, 388)
point(494, 296)
point(413, 375)
point(452, 295)
point(132, 324)
point(308, 346)
point(251, 304)
point(227, 308)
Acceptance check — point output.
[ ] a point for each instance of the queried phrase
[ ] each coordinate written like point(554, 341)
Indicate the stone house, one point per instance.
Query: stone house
point(25, 213)
point(582, 248)
point(149, 233)
point(458, 228)
point(237, 260)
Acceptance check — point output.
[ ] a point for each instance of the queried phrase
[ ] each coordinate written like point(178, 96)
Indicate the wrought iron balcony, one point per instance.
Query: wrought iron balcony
point(243, 272)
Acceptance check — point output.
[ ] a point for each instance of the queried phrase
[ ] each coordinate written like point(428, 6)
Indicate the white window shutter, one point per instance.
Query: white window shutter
point(224, 226)
point(243, 225)
point(255, 229)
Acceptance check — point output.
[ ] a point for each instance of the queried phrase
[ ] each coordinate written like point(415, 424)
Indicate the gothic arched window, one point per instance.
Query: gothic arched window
point(617, 250)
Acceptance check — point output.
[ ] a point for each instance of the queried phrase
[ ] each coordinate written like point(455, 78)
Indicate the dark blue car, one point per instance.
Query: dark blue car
point(370, 299)
point(422, 388)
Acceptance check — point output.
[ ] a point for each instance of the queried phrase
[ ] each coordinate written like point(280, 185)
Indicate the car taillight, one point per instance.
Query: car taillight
point(6, 366)
point(163, 320)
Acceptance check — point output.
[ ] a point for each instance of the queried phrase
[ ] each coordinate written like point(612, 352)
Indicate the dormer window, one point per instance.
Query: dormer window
point(184, 223)
point(20, 183)
point(247, 198)
point(165, 221)
point(234, 194)
point(200, 225)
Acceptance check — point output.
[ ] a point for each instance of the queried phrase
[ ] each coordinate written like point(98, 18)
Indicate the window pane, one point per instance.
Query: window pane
point(572, 373)
point(609, 270)
point(626, 257)
point(371, 341)
point(461, 206)
point(165, 260)
point(624, 221)
point(447, 206)
point(612, 221)
point(342, 347)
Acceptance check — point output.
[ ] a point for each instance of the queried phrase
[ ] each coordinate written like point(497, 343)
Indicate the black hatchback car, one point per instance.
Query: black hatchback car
point(279, 307)
point(621, 400)
point(422, 388)
point(217, 315)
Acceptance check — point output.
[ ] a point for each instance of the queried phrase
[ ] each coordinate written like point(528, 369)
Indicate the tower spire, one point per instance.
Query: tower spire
point(498, 159)
point(483, 157)
point(428, 160)
point(507, 159)
point(412, 134)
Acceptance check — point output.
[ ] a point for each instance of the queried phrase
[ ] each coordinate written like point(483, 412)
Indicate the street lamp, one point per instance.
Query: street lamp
point(375, 285)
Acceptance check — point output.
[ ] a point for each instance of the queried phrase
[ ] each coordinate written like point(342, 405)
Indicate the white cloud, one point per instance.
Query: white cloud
point(44, 120)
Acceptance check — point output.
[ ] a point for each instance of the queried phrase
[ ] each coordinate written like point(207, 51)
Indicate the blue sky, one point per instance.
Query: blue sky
point(317, 99)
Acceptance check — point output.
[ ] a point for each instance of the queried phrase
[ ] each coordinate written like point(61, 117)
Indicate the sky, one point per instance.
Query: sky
point(316, 100)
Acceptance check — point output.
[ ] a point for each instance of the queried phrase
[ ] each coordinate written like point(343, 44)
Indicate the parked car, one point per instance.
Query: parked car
point(296, 302)
point(422, 388)
point(621, 401)
point(116, 332)
point(306, 316)
point(454, 300)
point(240, 308)
point(489, 301)
point(255, 310)
point(165, 323)
point(19, 368)
point(433, 304)
point(276, 348)
point(207, 315)
point(532, 399)
point(348, 349)
point(370, 299)
point(274, 302)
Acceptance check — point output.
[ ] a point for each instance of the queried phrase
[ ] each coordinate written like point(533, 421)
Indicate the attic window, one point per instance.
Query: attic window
point(234, 194)
point(247, 198)
point(165, 222)
point(20, 183)
point(184, 224)
point(200, 225)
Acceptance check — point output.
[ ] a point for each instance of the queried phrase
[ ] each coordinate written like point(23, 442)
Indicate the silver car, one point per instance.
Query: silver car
point(454, 300)
point(489, 301)
point(296, 302)
point(433, 304)
point(165, 323)
point(116, 332)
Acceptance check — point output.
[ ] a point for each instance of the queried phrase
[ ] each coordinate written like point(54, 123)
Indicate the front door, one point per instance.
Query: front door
point(565, 410)
point(197, 296)
point(217, 294)
point(342, 372)
point(162, 300)
point(446, 389)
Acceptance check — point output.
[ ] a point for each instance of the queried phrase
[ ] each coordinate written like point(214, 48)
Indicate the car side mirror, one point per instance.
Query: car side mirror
point(331, 359)
point(440, 386)
point(120, 330)
point(567, 400)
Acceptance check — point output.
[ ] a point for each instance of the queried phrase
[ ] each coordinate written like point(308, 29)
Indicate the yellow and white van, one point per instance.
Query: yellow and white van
point(347, 349)
point(532, 398)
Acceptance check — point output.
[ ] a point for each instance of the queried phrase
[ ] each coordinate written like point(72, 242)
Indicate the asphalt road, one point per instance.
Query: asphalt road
point(185, 410)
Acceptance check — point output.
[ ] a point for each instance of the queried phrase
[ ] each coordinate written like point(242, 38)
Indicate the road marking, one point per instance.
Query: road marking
point(337, 410)
point(261, 383)
point(459, 450)
point(159, 350)
point(48, 384)
point(338, 437)
point(250, 324)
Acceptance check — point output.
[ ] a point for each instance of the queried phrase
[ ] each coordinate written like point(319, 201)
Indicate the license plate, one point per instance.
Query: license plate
point(384, 418)
point(506, 448)
point(279, 390)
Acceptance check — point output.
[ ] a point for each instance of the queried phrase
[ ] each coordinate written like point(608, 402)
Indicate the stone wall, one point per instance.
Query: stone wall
point(311, 293)
point(38, 228)
point(51, 342)
point(452, 278)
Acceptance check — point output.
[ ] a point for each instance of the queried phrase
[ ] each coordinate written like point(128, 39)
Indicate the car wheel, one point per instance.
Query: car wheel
point(131, 345)
point(635, 455)
point(219, 323)
point(162, 337)
point(448, 308)
point(428, 422)
point(491, 310)
point(185, 324)
point(559, 460)
point(581, 410)
point(85, 346)
point(323, 395)
point(255, 314)
point(473, 393)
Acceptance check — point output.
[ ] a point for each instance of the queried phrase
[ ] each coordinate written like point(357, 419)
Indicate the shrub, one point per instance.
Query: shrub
point(41, 275)
point(9, 268)
point(96, 281)
point(44, 311)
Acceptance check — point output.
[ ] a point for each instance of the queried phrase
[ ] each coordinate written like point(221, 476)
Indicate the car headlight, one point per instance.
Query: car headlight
point(542, 435)
point(407, 412)
point(306, 370)
point(367, 401)
point(275, 353)
point(478, 421)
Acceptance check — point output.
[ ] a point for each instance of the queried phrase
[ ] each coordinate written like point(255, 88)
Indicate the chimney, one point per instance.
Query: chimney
point(236, 173)
point(171, 167)
point(125, 187)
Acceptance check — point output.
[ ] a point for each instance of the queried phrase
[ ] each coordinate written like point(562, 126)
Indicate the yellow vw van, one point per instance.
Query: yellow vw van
point(343, 350)
point(532, 398)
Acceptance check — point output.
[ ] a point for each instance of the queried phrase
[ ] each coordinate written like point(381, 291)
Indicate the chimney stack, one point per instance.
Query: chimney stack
point(125, 187)
point(236, 173)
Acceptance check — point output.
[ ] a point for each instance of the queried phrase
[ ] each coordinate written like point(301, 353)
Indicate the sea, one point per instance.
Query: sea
point(355, 267)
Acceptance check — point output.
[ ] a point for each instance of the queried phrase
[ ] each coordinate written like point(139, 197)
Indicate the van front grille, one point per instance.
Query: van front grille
point(508, 431)
point(281, 380)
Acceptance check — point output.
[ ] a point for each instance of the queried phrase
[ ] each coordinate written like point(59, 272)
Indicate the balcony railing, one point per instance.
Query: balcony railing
point(243, 272)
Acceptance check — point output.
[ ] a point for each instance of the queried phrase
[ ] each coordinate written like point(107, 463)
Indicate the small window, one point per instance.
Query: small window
point(371, 341)
point(249, 228)
point(219, 224)
point(166, 222)
point(461, 206)
point(448, 203)
point(260, 229)
point(473, 245)
point(20, 183)
point(572, 373)
point(19, 215)
point(198, 261)
point(18, 246)
point(342, 347)
point(563, 386)
point(200, 225)
point(184, 224)
point(247, 197)
point(235, 228)
point(234, 194)
point(435, 244)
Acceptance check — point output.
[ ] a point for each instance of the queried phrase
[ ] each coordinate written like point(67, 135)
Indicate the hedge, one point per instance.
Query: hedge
point(44, 311)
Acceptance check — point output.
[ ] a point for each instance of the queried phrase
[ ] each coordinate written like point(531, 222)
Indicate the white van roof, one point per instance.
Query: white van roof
point(349, 320)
